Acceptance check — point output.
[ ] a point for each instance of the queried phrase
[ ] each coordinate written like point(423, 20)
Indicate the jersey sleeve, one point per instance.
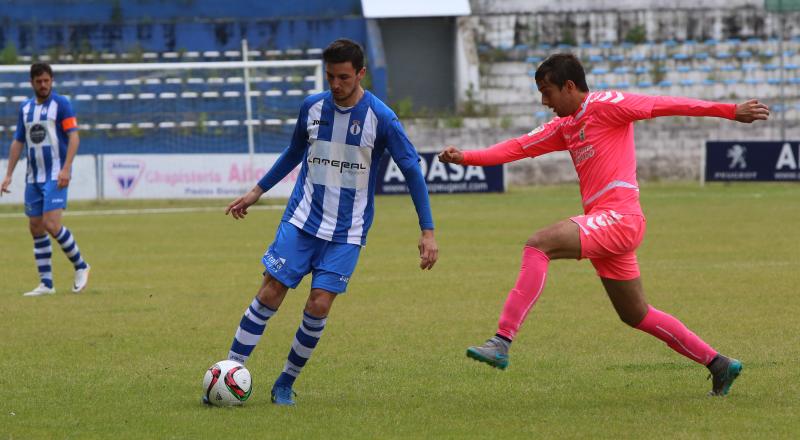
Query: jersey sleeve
point(19, 135)
point(291, 156)
point(407, 159)
point(541, 140)
point(619, 108)
point(66, 118)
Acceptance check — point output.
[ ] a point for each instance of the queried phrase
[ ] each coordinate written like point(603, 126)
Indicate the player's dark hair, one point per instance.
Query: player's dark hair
point(342, 51)
point(559, 68)
point(40, 68)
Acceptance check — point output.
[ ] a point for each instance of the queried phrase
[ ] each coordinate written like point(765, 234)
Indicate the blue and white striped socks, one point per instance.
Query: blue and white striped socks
point(305, 340)
point(251, 327)
point(70, 248)
point(43, 253)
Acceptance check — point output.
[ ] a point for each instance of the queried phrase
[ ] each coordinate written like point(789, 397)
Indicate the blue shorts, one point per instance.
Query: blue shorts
point(42, 197)
point(296, 253)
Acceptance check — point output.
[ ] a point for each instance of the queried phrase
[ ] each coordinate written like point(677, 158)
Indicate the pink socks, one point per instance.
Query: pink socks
point(679, 338)
point(523, 296)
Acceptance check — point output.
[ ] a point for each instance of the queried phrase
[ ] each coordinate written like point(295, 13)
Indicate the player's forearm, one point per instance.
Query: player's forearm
point(419, 195)
point(678, 106)
point(504, 152)
point(13, 156)
point(72, 149)
point(289, 159)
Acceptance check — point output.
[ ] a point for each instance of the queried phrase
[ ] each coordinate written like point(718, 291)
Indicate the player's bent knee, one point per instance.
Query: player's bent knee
point(540, 241)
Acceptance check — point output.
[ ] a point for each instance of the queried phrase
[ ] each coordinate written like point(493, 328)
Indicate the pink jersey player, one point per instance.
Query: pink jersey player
point(597, 130)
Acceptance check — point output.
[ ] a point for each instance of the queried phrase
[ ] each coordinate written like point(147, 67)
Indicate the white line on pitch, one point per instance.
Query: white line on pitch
point(150, 211)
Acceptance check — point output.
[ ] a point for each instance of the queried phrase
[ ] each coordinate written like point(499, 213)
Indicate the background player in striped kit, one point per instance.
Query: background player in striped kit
point(339, 138)
point(597, 130)
point(48, 128)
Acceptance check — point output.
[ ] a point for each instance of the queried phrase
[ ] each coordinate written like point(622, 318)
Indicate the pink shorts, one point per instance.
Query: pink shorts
point(609, 240)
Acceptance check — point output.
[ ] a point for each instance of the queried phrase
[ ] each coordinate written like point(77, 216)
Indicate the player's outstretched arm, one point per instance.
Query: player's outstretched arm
point(428, 250)
point(13, 157)
point(238, 208)
point(751, 110)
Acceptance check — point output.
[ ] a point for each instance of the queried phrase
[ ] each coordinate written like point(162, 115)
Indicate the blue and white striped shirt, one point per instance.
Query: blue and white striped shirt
point(340, 150)
point(43, 129)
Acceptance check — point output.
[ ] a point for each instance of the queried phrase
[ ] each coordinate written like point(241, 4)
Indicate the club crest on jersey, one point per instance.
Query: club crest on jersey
point(582, 134)
point(37, 133)
point(355, 127)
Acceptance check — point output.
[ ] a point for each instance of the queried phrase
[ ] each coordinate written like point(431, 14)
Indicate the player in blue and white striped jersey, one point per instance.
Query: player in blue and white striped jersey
point(48, 129)
point(339, 138)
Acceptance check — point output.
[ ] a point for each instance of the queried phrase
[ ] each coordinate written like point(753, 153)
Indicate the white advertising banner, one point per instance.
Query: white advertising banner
point(83, 185)
point(186, 176)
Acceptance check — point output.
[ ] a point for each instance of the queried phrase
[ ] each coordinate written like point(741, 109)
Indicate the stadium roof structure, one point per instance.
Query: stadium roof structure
point(415, 8)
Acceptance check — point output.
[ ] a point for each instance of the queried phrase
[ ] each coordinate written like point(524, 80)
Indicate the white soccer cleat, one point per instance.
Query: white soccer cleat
point(40, 290)
point(81, 279)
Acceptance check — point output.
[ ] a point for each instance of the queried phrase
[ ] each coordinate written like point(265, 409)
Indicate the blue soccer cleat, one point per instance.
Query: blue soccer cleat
point(725, 374)
point(283, 395)
point(494, 352)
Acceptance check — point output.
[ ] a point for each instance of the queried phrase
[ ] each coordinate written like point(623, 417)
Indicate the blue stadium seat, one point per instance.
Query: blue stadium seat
point(752, 81)
point(665, 83)
point(622, 85)
point(701, 56)
point(533, 60)
point(599, 71)
point(723, 55)
point(640, 70)
point(618, 58)
point(622, 70)
point(744, 54)
point(683, 69)
point(687, 82)
point(680, 56)
point(710, 42)
point(644, 84)
point(596, 59)
point(709, 82)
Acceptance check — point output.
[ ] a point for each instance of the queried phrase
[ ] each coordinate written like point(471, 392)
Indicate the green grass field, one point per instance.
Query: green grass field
point(125, 359)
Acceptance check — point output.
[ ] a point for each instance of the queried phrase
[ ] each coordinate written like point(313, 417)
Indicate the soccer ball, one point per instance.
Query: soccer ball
point(227, 383)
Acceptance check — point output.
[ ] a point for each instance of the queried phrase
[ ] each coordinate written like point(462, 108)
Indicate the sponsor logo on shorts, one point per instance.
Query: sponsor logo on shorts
point(595, 222)
point(344, 279)
point(57, 200)
point(273, 262)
